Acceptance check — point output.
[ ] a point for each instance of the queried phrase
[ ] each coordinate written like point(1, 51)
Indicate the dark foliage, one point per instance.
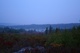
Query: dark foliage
point(52, 41)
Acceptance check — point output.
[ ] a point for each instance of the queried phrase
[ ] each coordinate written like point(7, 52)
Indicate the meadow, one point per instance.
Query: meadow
point(51, 41)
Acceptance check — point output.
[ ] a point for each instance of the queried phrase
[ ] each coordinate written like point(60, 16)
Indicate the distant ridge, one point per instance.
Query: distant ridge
point(5, 24)
point(43, 26)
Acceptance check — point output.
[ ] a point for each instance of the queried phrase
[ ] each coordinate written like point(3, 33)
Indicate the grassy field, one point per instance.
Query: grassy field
point(57, 41)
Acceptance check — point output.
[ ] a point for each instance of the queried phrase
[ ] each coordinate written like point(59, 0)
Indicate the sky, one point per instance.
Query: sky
point(39, 11)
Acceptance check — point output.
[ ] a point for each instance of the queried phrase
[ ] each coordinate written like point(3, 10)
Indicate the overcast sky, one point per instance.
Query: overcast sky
point(39, 11)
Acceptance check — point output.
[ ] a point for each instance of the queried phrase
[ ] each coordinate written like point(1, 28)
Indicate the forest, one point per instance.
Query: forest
point(50, 41)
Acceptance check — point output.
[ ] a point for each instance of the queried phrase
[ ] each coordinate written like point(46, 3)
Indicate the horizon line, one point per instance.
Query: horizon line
point(36, 24)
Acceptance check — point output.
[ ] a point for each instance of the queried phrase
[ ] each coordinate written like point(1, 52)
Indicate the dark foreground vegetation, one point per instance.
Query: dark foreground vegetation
point(51, 41)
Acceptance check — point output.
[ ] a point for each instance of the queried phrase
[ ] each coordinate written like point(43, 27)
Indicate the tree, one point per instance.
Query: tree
point(50, 29)
point(57, 30)
point(46, 31)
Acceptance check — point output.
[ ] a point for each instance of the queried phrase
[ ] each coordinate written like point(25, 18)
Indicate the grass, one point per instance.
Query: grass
point(56, 39)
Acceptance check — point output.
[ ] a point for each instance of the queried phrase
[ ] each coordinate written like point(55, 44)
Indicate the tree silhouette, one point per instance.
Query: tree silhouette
point(57, 30)
point(50, 29)
point(46, 31)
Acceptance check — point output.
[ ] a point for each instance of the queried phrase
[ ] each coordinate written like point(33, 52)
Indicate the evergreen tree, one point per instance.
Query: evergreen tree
point(50, 29)
point(57, 30)
point(46, 31)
